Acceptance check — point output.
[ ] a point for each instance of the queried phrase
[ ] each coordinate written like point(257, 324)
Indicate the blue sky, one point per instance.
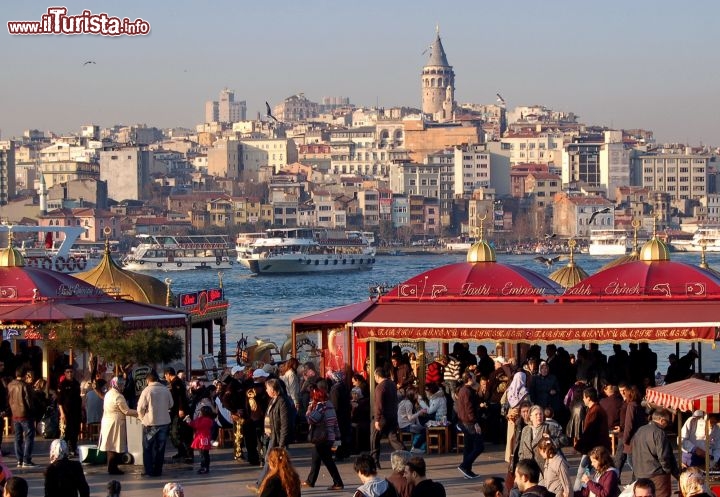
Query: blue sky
point(645, 64)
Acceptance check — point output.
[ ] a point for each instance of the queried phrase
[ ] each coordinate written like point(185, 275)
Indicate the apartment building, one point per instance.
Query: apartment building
point(679, 172)
point(224, 159)
point(7, 171)
point(531, 146)
point(572, 214)
point(542, 187)
point(225, 109)
point(273, 152)
point(127, 172)
point(356, 151)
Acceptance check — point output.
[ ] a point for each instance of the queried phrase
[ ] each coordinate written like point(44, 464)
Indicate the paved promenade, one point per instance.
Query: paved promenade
point(228, 478)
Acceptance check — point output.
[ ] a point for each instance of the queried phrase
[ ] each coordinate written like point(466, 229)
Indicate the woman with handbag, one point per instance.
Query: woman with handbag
point(323, 433)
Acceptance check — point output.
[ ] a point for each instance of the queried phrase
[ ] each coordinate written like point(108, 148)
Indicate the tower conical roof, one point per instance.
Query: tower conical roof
point(437, 53)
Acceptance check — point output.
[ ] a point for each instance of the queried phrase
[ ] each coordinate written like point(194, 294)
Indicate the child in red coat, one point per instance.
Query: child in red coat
point(202, 426)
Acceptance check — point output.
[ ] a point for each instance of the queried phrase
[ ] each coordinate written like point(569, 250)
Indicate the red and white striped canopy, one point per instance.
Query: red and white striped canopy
point(686, 395)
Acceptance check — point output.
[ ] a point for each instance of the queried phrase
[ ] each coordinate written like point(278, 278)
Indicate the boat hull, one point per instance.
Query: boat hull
point(601, 250)
point(304, 264)
point(177, 265)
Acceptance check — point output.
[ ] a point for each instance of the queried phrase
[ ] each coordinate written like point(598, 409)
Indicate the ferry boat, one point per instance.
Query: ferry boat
point(48, 251)
point(459, 245)
point(244, 241)
point(179, 253)
point(709, 236)
point(608, 242)
point(308, 250)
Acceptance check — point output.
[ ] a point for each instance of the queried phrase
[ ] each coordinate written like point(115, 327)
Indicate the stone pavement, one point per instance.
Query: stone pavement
point(228, 478)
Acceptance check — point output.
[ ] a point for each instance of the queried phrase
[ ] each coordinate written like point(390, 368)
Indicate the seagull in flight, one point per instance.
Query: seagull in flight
point(269, 112)
point(550, 236)
point(604, 210)
point(88, 62)
point(548, 261)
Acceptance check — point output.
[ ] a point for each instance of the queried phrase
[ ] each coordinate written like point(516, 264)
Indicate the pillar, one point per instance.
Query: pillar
point(222, 353)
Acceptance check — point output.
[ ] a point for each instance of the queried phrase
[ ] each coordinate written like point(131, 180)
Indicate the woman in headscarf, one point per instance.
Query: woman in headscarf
point(113, 434)
point(63, 477)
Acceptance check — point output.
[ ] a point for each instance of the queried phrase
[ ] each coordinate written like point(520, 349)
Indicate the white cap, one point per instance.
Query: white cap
point(260, 373)
point(501, 359)
point(237, 369)
point(698, 414)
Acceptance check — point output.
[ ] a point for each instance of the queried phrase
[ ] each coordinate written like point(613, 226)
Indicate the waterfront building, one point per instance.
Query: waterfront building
point(94, 221)
point(572, 214)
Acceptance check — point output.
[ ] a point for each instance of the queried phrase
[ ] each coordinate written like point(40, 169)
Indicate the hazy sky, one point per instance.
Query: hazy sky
point(627, 64)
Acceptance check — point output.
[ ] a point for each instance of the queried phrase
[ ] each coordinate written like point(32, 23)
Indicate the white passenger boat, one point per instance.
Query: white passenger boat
point(179, 253)
point(308, 250)
point(608, 242)
point(51, 247)
point(243, 244)
point(708, 236)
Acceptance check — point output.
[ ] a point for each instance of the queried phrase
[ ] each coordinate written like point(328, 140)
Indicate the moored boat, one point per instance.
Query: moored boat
point(179, 253)
point(608, 242)
point(705, 236)
point(308, 250)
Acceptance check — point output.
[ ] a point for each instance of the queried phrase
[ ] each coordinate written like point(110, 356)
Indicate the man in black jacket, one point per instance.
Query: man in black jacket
point(385, 415)
point(277, 421)
point(652, 454)
point(180, 433)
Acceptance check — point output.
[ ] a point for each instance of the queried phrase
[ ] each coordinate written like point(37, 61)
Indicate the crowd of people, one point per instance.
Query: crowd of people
point(548, 404)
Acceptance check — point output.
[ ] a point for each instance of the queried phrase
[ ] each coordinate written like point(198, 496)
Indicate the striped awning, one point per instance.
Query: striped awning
point(686, 395)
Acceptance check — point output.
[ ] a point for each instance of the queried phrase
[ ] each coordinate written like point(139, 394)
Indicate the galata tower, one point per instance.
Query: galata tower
point(438, 83)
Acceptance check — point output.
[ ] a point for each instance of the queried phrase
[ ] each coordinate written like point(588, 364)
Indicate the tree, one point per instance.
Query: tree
point(106, 337)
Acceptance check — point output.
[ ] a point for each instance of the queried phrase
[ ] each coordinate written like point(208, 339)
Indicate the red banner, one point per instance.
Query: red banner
point(610, 335)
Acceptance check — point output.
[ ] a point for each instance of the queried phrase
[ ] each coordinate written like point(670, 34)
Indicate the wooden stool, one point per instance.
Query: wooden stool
point(225, 435)
point(437, 439)
point(406, 437)
point(459, 442)
point(90, 431)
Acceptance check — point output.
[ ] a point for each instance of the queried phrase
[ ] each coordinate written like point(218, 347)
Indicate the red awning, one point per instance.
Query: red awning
point(139, 314)
point(337, 315)
point(602, 322)
point(686, 395)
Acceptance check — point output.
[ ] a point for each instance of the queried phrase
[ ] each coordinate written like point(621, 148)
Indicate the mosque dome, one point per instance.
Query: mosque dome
point(654, 250)
point(116, 281)
point(481, 251)
point(11, 256)
point(570, 275)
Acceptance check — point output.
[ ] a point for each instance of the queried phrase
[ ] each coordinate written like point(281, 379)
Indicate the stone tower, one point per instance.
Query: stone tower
point(438, 83)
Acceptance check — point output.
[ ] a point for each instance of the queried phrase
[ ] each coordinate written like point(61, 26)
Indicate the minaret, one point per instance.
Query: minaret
point(438, 81)
point(43, 195)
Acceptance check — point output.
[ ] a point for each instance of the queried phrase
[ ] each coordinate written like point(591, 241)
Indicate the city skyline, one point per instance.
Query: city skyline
point(645, 65)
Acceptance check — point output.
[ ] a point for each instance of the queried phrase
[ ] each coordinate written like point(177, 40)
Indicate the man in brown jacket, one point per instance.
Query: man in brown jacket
point(467, 405)
point(20, 402)
point(385, 415)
